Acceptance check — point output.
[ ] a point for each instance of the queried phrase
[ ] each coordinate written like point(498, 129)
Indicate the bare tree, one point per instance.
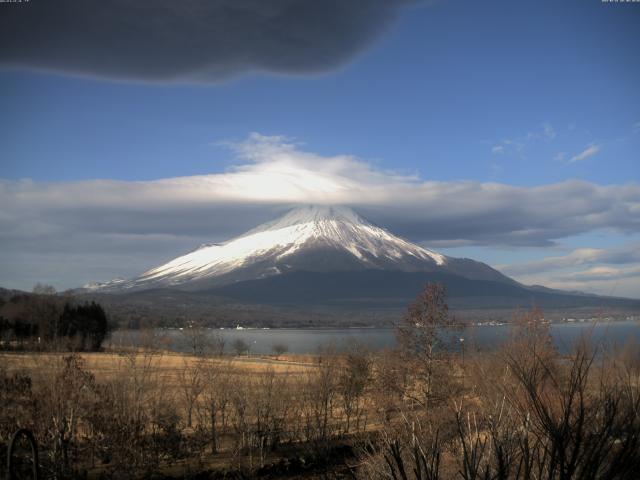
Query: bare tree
point(269, 407)
point(390, 382)
point(239, 395)
point(129, 404)
point(217, 378)
point(63, 397)
point(409, 455)
point(279, 348)
point(201, 341)
point(320, 389)
point(353, 378)
point(419, 340)
point(216, 344)
point(240, 346)
point(555, 420)
point(191, 385)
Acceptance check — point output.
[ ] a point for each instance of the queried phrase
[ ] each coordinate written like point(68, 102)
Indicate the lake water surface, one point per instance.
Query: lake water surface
point(305, 341)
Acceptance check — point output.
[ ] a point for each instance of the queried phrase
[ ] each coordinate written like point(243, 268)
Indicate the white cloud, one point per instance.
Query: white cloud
point(612, 271)
point(548, 131)
point(517, 145)
point(596, 274)
point(577, 258)
point(627, 285)
point(275, 172)
point(590, 151)
point(160, 218)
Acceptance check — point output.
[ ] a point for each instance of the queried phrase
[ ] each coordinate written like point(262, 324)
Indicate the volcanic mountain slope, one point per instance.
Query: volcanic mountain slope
point(330, 257)
point(307, 239)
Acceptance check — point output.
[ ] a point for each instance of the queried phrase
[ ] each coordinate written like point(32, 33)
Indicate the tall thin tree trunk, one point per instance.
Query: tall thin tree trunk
point(214, 433)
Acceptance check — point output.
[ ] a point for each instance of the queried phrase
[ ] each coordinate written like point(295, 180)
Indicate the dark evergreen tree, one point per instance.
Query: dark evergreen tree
point(86, 323)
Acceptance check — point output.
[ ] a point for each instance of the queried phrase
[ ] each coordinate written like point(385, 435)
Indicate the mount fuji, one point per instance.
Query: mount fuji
point(328, 255)
point(306, 239)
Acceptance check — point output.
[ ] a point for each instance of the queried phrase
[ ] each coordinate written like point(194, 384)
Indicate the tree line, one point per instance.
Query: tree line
point(43, 320)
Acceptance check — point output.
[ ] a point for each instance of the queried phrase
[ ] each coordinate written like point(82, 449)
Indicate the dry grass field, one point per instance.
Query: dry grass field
point(106, 364)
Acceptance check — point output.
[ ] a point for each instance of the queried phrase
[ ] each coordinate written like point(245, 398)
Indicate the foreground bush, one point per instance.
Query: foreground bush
point(526, 413)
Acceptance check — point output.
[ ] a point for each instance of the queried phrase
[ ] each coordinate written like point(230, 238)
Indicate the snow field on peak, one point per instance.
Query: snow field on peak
point(337, 227)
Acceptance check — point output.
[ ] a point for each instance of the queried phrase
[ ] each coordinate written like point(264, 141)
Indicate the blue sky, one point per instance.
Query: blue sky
point(524, 94)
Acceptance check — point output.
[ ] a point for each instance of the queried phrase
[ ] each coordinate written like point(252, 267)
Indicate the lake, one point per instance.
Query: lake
point(305, 341)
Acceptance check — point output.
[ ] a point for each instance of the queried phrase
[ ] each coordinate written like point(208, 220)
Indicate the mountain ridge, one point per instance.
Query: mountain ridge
point(395, 288)
point(311, 238)
point(331, 257)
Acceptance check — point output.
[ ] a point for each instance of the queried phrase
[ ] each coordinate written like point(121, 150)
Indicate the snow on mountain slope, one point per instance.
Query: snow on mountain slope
point(308, 238)
point(303, 228)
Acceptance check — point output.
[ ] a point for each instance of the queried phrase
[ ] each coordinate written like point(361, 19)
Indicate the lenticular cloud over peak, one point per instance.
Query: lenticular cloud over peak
point(146, 222)
point(272, 174)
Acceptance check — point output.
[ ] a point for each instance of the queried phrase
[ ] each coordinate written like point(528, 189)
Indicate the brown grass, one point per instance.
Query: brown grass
point(106, 365)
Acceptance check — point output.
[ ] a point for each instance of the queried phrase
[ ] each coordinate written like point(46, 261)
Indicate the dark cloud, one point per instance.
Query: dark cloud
point(192, 40)
point(473, 213)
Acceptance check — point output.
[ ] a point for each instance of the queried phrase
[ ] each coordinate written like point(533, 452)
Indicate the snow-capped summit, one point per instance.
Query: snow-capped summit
point(311, 238)
point(336, 227)
point(327, 257)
